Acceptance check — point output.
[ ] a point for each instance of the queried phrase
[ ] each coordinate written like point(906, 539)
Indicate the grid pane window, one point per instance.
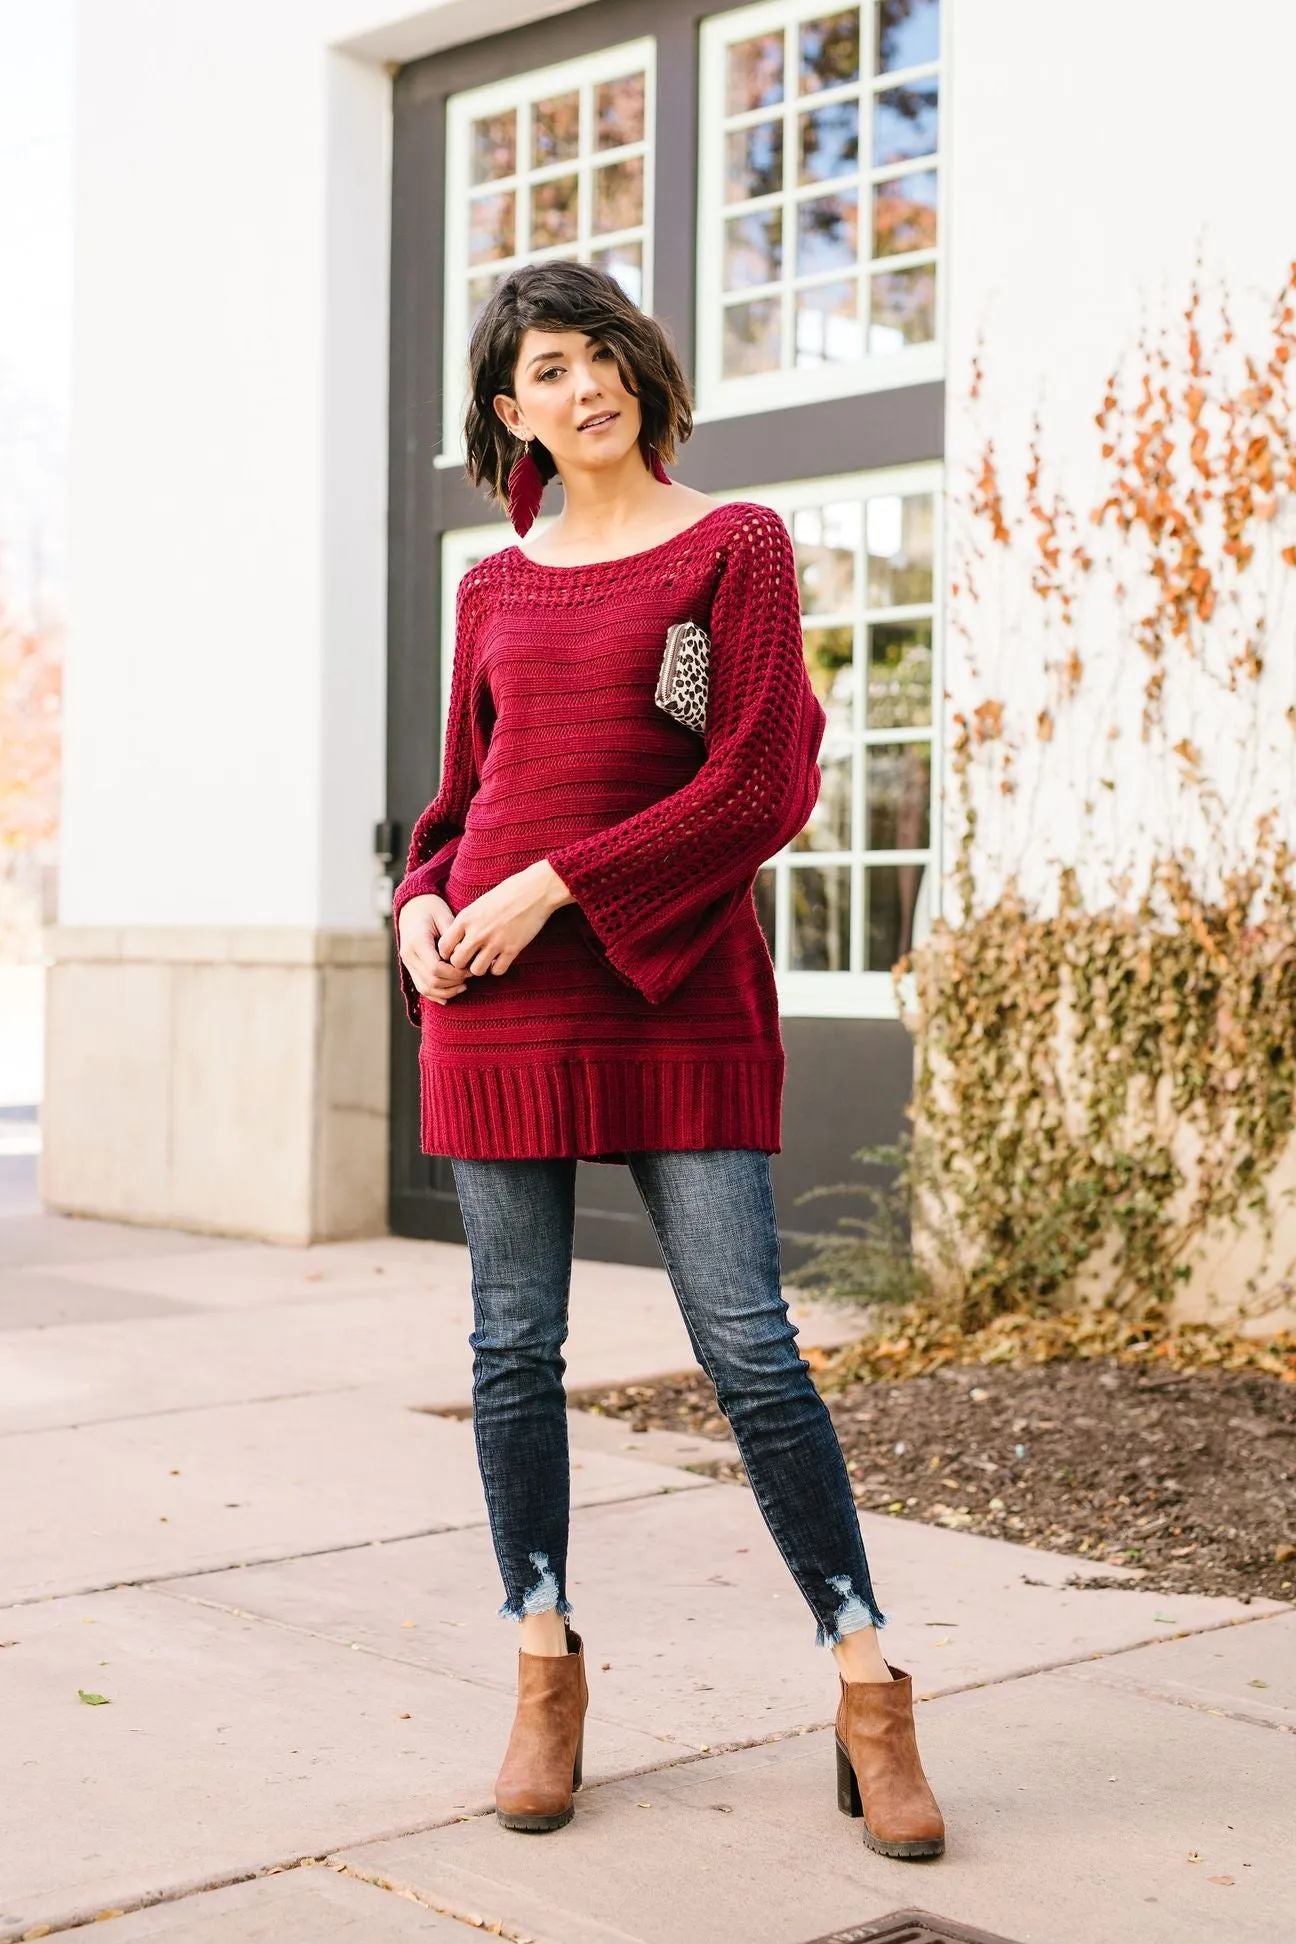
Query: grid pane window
point(852, 891)
point(550, 165)
point(821, 176)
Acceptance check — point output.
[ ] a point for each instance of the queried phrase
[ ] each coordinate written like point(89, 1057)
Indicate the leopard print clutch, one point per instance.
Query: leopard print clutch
point(682, 678)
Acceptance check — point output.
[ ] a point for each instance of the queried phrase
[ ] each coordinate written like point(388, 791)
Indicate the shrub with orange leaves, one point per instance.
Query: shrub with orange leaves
point(1105, 1025)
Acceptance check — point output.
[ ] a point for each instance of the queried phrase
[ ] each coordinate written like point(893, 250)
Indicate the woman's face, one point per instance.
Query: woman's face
point(569, 395)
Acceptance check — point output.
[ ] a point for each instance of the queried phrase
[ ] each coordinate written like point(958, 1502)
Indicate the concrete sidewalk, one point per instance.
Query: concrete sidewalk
point(223, 1509)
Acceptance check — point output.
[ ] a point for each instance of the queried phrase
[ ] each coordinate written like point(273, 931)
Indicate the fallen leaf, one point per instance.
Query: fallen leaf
point(92, 1700)
point(1257, 1683)
point(1221, 1879)
point(1283, 1553)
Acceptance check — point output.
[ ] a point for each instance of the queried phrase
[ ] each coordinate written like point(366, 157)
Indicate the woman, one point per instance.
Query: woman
point(579, 943)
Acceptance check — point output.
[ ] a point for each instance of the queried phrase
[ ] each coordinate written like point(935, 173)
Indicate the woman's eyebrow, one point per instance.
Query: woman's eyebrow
point(540, 356)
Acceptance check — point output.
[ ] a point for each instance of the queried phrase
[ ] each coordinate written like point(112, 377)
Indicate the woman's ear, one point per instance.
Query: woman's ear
point(509, 410)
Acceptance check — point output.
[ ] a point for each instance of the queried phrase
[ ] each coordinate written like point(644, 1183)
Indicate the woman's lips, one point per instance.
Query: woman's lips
point(598, 424)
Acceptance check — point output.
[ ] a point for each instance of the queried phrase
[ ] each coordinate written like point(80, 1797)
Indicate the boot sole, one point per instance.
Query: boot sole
point(535, 1825)
point(848, 1801)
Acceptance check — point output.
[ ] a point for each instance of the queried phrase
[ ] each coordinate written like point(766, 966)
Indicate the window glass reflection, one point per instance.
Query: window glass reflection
point(491, 231)
point(829, 51)
point(899, 674)
point(619, 111)
point(754, 161)
point(820, 930)
point(618, 195)
point(828, 140)
point(479, 290)
point(904, 214)
point(904, 123)
point(897, 796)
point(554, 206)
point(908, 33)
point(555, 129)
point(754, 73)
point(828, 827)
point(753, 248)
point(825, 540)
point(830, 656)
point(828, 327)
point(900, 550)
point(753, 336)
point(902, 307)
point(492, 147)
point(897, 913)
point(827, 232)
point(624, 261)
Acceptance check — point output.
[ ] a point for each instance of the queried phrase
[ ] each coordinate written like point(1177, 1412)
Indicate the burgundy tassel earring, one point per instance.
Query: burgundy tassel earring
point(525, 491)
point(657, 469)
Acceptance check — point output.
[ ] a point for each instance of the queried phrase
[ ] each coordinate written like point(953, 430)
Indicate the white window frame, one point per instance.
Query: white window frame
point(807, 995)
point(520, 91)
point(719, 397)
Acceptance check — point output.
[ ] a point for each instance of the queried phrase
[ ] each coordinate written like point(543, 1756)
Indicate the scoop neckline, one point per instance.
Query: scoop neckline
point(617, 560)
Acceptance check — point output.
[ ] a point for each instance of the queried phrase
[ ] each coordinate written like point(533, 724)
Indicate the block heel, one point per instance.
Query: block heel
point(848, 1799)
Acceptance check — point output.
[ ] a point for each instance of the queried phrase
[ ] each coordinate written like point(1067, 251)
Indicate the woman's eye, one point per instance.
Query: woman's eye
point(551, 372)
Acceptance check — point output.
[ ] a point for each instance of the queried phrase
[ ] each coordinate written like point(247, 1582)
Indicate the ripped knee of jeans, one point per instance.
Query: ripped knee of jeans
point(855, 1612)
point(543, 1597)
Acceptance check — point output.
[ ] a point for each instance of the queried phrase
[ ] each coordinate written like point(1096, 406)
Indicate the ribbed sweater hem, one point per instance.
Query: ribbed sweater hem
point(599, 1109)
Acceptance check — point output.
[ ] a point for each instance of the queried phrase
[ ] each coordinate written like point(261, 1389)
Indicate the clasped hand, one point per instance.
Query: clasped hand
point(441, 950)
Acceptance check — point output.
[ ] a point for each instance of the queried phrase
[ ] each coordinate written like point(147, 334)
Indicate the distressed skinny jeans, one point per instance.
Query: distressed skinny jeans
point(713, 1214)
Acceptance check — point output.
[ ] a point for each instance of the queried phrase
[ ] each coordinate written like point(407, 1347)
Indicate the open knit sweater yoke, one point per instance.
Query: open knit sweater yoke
point(644, 1015)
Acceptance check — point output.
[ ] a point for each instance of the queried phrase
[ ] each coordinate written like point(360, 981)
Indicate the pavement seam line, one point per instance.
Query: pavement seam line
point(1105, 1653)
point(377, 1653)
point(456, 1912)
point(200, 1887)
point(320, 1552)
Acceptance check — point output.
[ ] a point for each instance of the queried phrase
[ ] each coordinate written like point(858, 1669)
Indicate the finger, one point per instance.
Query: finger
point(483, 962)
point(464, 953)
point(502, 963)
point(417, 974)
point(450, 938)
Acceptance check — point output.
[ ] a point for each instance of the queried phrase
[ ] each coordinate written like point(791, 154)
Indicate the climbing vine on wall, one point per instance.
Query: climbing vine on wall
point(1105, 1030)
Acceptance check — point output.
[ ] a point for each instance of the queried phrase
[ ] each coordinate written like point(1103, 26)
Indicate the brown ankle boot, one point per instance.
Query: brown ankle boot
point(879, 1774)
point(542, 1764)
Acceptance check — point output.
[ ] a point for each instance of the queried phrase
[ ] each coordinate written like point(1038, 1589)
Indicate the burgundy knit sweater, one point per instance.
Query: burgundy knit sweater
point(644, 1015)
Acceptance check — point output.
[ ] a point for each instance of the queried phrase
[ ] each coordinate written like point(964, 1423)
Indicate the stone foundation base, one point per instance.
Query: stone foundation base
point(232, 1081)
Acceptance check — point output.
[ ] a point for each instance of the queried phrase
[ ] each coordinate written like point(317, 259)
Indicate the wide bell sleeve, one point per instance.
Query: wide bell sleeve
point(658, 889)
point(437, 835)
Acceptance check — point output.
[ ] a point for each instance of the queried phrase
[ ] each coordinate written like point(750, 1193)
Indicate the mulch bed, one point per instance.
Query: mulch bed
point(1187, 1475)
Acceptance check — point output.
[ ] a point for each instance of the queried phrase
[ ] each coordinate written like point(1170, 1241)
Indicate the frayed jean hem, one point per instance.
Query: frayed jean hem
point(544, 1596)
point(852, 1616)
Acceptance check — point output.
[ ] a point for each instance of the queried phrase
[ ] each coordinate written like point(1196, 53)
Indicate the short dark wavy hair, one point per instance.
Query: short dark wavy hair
point(566, 296)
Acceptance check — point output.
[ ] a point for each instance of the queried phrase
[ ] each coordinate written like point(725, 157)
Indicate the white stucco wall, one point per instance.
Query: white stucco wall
point(225, 706)
point(1094, 153)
